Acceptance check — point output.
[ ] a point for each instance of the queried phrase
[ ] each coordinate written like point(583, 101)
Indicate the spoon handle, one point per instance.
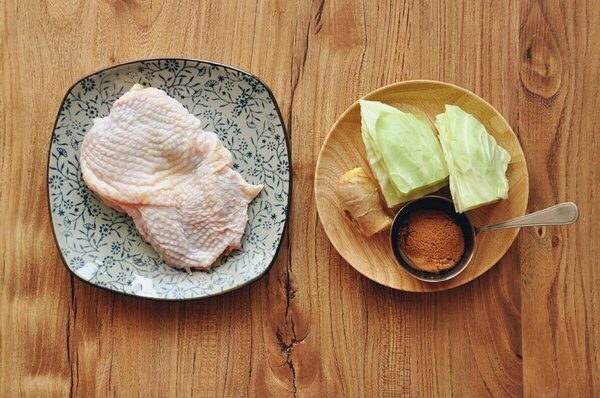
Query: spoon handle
point(561, 214)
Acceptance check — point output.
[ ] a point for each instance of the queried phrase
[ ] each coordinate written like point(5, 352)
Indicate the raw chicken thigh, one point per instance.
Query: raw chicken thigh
point(151, 159)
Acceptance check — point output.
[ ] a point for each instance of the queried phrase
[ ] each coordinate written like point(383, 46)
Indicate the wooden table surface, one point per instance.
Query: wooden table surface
point(313, 326)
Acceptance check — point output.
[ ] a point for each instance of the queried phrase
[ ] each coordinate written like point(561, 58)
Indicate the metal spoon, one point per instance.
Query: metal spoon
point(561, 214)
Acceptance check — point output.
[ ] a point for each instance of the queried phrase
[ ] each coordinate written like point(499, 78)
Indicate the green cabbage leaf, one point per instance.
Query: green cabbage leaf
point(477, 164)
point(403, 152)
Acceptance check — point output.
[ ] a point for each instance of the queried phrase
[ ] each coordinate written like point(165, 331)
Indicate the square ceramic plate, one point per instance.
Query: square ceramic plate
point(101, 246)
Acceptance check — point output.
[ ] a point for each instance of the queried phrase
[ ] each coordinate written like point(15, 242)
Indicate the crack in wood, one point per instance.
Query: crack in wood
point(68, 337)
point(318, 21)
point(69, 363)
point(286, 350)
point(296, 81)
point(290, 291)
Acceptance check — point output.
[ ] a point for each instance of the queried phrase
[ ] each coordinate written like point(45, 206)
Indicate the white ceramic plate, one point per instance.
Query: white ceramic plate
point(101, 246)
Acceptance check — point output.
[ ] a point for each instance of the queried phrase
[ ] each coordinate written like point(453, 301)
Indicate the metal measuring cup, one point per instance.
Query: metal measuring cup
point(561, 214)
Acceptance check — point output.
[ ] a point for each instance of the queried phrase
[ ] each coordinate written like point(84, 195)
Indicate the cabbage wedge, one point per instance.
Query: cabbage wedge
point(477, 164)
point(403, 152)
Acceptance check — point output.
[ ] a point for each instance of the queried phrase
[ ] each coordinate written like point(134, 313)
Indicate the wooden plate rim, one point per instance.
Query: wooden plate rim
point(441, 286)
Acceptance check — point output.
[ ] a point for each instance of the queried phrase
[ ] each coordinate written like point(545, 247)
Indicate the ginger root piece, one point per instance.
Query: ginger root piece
point(360, 198)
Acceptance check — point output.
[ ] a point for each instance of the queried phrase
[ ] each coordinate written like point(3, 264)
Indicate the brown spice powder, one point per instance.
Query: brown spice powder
point(431, 240)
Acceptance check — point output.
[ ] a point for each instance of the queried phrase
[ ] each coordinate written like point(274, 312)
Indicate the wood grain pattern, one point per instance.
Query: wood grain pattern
point(313, 326)
point(559, 100)
point(343, 150)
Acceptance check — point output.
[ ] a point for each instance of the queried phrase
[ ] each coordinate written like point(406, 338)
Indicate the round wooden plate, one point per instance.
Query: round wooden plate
point(343, 150)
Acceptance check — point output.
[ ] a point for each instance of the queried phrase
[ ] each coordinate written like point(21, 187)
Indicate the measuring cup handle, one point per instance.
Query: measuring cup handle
point(561, 214)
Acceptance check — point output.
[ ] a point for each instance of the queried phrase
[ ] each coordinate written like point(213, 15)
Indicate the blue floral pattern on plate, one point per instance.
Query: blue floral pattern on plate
point(101, 246)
